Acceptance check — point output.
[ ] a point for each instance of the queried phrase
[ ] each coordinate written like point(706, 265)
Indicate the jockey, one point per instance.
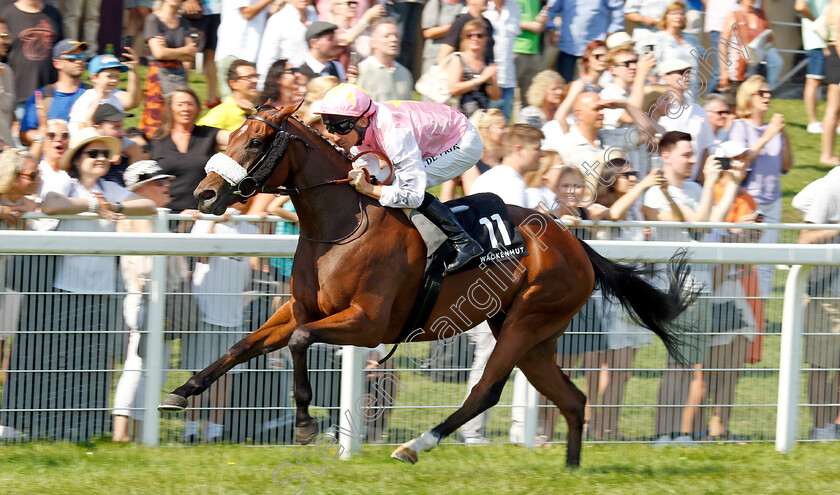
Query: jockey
point(428, 143)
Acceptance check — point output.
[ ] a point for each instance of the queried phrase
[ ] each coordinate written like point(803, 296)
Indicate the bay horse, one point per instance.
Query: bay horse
point(358, 267)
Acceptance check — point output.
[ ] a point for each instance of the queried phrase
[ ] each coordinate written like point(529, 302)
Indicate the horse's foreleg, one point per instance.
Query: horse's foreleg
point(341, 328)
point(274, 334)
point(306, 428)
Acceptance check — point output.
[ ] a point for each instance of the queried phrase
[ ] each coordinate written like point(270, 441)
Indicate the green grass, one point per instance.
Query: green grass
point(126, 469)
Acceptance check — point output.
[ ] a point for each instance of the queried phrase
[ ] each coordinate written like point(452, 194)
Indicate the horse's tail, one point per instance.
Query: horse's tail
point(645, 304)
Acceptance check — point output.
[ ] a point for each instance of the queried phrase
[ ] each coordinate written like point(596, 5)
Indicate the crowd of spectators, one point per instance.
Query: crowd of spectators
point(688, 93)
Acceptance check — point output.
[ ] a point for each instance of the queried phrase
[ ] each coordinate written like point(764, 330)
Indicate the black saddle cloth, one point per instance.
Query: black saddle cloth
point(485, 218)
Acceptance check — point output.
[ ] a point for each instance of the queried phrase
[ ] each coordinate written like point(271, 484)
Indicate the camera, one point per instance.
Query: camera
point(725, 162)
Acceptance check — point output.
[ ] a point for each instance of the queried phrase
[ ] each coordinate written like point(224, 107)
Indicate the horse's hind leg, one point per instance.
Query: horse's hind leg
point(274, 334)
point(540, 369)
point(512, 344)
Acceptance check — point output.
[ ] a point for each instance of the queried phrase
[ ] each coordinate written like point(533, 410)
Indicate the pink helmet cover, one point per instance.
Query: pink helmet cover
point(346, 100)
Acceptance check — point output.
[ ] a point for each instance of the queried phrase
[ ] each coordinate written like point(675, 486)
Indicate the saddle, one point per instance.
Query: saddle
point(485, 218)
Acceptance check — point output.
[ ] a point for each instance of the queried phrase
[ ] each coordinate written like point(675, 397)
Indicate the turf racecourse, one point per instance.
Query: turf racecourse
point(109, 468)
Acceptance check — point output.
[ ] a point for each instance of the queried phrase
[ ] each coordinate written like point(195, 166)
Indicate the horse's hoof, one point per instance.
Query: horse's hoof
point(173, 403)
point(306, 433)
point(405, 454)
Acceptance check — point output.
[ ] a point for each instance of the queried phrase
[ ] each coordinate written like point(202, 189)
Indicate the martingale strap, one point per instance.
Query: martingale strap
point(427, 296)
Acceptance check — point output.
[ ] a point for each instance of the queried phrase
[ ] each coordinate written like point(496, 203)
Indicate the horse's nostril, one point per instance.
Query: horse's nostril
point(207, 194)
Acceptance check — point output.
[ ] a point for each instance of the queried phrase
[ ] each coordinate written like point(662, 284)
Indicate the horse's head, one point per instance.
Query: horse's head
point(260, 153)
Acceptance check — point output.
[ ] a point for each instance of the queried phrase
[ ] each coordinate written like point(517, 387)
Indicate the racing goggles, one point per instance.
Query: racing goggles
point(339, 124)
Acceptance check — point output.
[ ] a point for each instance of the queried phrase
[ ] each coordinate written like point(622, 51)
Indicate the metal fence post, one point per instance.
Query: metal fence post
point(351, 420)
point(529, 430)
point(790, 358)
point(153, 362)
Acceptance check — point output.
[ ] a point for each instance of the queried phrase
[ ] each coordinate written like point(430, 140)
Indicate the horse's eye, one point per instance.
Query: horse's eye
point(255, 143)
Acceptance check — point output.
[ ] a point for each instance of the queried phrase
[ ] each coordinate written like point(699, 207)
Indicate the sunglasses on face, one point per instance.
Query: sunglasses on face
point(74, 58)
point(722, 112)
point(628, 63)
point(341, 127)
point(54, 136)
point(477, 36)
point(98, 153)
point(628, 174)
point(33, 176)
point(764, 93)
point(599, 56)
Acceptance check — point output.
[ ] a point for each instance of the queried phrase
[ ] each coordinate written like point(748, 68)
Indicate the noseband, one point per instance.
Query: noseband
point(247, 183)
point(261, 171)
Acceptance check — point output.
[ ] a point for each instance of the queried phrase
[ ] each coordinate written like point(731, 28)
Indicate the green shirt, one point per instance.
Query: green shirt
point(528, 43)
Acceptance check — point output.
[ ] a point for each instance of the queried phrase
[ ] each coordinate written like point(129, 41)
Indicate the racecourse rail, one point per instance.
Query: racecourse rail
point(801, 258)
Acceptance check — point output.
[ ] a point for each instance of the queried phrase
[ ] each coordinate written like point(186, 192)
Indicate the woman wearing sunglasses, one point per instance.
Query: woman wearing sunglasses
point(771, 156)
point(19, 178)
point(82, 307)
point(470, 77)
point(428, 143)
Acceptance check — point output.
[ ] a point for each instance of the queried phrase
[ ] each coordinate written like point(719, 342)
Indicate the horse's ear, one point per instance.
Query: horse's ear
point(286, 112)
point(269, 103)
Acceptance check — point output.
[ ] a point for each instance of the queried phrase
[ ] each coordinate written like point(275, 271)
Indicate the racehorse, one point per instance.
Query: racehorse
point(358, 267)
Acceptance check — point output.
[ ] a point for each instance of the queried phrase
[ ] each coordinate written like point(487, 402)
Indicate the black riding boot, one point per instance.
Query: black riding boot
point(466, 248)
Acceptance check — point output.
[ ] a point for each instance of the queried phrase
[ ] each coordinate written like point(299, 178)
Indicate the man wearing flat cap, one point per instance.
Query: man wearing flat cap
point(322, 50)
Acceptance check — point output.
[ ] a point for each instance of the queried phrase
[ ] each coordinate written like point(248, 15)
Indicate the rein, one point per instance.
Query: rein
point(247, 183)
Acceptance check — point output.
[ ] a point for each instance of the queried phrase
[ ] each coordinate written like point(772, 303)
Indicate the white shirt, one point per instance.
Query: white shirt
point(689, 195)
point(716, 12)
point(7, 103)
point(47, 171)
point(219, 285)
point(317, 66)
point(80, 111)
point(574, 149)
point(284, 37)
point(238, 36)
point(540, 195)
point(647, 8)
point(694, 121)
point(505, 182)
point(612, 116)
point(88, 274)
point(505, 30)
point(823, 190)
point(553, 135)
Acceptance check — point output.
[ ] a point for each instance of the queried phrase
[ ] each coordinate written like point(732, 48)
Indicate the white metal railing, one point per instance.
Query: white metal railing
point(161, 243)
